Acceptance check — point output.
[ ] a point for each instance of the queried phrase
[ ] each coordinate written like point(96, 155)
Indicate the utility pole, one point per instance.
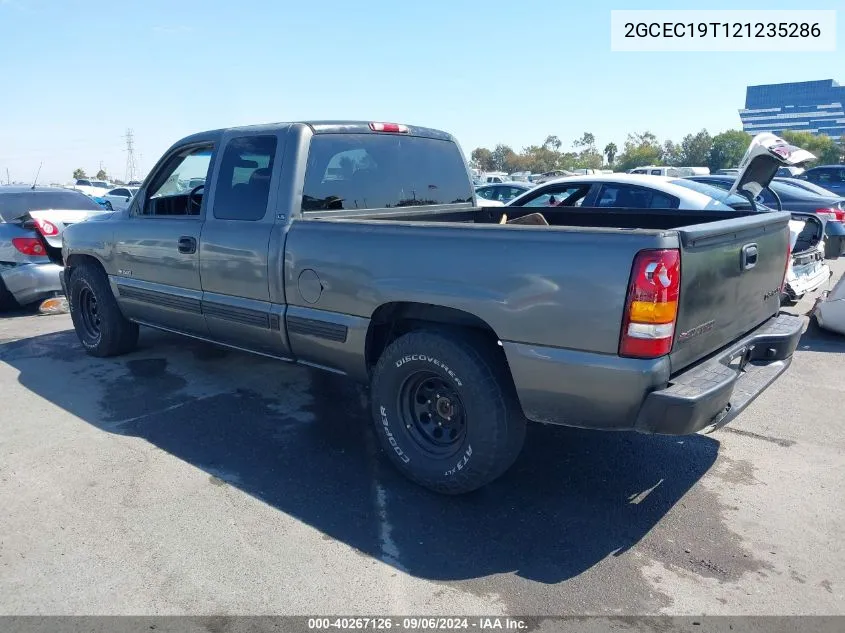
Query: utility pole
point(131, 166)
point(8, 178)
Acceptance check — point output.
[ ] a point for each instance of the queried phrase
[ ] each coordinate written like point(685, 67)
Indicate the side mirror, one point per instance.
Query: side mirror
point(128, 198)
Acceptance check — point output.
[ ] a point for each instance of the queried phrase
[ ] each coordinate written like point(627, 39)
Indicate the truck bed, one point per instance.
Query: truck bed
point(584, 217)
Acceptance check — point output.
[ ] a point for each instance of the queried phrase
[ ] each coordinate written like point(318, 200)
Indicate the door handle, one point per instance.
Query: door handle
point(187, 244)
point(749, 256)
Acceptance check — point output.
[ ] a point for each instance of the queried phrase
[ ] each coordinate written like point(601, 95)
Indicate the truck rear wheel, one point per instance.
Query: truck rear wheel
point(100, 325)
point(446, 411)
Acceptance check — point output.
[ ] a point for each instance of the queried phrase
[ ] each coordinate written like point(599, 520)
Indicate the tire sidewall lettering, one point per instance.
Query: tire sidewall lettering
point(391, 439)
point(425, 358)
point(462, 462)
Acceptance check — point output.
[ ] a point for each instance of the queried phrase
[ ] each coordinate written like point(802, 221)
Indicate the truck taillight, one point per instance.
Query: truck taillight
point(651, 307)
point(28, 245)
point(389, 127)
point(832, 214)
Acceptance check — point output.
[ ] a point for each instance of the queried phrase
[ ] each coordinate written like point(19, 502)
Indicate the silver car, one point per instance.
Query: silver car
point(32, 220)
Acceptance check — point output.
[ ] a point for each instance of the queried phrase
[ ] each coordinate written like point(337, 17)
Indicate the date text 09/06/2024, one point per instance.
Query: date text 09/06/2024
point(417, 623)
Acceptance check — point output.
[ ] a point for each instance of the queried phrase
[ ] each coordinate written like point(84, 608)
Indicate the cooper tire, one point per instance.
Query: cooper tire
point(470, 401)
point(100, 325)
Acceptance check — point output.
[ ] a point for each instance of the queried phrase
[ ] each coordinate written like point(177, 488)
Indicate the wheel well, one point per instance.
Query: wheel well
point(78, 260)
point(392, 320)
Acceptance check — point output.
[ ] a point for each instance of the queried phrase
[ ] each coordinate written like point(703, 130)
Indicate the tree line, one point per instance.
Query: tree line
point(721, 151)
point(100, 175)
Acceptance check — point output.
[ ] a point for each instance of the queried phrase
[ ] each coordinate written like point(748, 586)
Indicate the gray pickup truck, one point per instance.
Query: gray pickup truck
point(358, 248)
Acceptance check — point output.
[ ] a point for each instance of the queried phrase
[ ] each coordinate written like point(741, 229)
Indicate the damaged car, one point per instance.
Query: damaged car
point(32, 220)
point(829, 309)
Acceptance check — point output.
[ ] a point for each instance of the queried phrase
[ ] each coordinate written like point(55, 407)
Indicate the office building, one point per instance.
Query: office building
point(809, 106)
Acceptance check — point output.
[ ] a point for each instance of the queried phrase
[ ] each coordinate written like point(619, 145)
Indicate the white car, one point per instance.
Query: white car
point(806, 270)
point(92, 188)
point(830, 308)
point(120, 197)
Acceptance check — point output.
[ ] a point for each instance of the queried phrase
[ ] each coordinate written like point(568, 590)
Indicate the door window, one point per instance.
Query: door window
point(509, 193)
point(820, 176)
point(560, 196)
point(628, 197)
point(243, 184)
point(170, 188)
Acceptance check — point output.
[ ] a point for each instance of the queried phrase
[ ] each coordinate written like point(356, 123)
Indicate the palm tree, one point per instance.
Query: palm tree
point(610, 151)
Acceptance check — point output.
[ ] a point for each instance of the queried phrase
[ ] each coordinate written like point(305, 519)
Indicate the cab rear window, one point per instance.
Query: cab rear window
point(378, 171)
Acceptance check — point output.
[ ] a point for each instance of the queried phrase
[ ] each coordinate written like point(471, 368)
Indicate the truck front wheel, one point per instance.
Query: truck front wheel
point(100, 325)
point(445, 410)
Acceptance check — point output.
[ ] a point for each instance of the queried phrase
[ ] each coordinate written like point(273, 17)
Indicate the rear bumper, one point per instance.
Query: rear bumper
point(29, 283)
point(714, 392)
point(599, 391)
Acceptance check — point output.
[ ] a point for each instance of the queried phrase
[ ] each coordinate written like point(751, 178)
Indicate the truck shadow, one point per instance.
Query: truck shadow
point(305, 447)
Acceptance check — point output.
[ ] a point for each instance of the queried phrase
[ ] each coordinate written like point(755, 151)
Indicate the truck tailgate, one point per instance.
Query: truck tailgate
point(731, 274)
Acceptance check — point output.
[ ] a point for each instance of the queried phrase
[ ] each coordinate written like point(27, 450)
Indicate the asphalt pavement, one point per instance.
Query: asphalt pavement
point(188, 479)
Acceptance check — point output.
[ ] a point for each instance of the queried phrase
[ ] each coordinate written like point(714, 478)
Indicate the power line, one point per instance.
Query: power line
point(131, 166)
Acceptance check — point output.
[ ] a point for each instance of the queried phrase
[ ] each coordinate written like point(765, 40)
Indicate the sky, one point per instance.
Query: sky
point(75, 76)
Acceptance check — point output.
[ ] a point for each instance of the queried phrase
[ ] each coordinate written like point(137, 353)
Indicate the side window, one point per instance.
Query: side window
point(655, 172)
point(838, 175)
point(169, 191)
point(243, 184)
point(820, 175)
point(120, 193)
point(571, 196)
point(663, 201)
point(539, 201)
point(717, 183)
point(486, 193)
point(627, 197)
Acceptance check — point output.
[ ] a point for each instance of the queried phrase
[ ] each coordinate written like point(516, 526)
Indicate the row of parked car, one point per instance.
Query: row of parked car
point(817, 227)
point(32, 218)
point(109, 196)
